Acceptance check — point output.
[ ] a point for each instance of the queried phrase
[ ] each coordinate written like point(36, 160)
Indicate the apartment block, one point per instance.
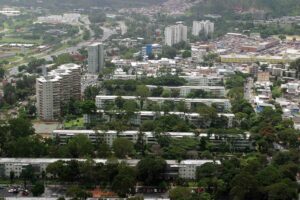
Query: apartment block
point(184, 169)
point(222, 104)
point(237, 142)
point(139, 117)
point(55, 90)
point(203, 80)
point(175, 34)
point(213, 91)
point(203, 27)
point(95, 58)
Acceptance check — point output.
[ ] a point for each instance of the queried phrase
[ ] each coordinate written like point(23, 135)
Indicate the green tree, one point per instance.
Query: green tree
point(10, 95)
point(268, 175)
point(38, 189)
point(77, 192)
point(150, 170)
point(245, 186)
point(2, 72)
point(123, 147)
point(119, 101)
point(207, 170)
point(79, 146)
point(186, 54)
point(91, 92)
point(88, 107)
point(180, 193)
point(143, 92)
point(20, 127)
point(284, 190)
point(28, 174)
point(125, 181)
point(157, 92)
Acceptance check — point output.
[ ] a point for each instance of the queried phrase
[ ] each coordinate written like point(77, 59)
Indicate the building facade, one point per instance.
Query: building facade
point(95, 58)
point(55, 90)
point(222, 104)
point(175, 34)
point(203, 27)
point(184, 169)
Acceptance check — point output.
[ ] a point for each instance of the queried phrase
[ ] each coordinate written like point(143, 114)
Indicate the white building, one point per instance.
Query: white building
point(204, 80)
point(175, 34)
point(95, 58)
point(67, 18)
point(139, 117)
point(184, 169)
point(225, 104)
point(188, 168)
point(203, 27)
point(214, 91)
point(109, 136)
point(55, 90)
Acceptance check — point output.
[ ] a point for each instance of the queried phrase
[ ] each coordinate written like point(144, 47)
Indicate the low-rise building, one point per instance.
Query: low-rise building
point(184, 91)
point(184, 169)
point(236, 142)
point(204, 80)
point(188, 168)
point(222, 104)
point(139, 117)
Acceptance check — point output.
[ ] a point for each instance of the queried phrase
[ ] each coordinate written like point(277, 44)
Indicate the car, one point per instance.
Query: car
point(25, 192)
point(13, 190)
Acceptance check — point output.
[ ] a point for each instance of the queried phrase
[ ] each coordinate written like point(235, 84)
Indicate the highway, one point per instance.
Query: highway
point(107, 33)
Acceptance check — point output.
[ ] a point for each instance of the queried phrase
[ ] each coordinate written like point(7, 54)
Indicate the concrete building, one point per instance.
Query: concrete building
point(152, 49)
point(184, 169)
point(109, 136)
point(188, 168)
point(204, 80)
point(213, 91)
point(55, 89)
point(203, 27)
point(263, 77)
point(236, 142)
point(175, 34)
point(95, 58)
point(139, 117)
point(222, 104)
point(249, 58)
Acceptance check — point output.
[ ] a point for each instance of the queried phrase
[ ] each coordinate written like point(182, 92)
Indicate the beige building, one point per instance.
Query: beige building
point(55, 90)
point(263, 76)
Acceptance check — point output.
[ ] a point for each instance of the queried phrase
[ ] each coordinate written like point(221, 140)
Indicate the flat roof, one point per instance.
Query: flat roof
point(131, 162)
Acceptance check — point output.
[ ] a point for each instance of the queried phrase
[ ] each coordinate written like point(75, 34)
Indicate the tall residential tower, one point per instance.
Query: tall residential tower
point(203, 27)
point(54, 90)
point(95, 58)
point(175, 34)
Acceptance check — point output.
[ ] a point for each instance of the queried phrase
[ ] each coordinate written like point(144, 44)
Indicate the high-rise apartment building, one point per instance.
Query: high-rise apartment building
point(95, 58)
point(203, 27)
point(54, 90)
point(175, 34)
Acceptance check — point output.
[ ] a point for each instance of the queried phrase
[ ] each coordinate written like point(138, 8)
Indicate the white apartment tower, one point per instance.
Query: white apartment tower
point(95, 58)
point(55, 90)
point(203, 27)
point(175, 34)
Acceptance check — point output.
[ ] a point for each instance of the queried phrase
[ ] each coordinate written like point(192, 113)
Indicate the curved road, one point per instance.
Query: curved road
point(107, 33)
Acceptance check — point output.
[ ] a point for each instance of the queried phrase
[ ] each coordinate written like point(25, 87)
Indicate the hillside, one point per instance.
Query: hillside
point(274, 7)
point(71, 4)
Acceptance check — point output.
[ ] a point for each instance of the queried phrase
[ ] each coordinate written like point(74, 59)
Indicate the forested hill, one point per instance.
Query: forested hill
point(65, 4)
point(275, 7)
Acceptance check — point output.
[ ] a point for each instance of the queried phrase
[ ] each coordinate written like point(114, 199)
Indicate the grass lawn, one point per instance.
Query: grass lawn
point(19, 40)
point(74, 123)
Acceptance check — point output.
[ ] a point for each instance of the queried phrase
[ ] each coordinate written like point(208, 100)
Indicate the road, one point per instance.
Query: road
point(123, 27)
point(107, 33)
